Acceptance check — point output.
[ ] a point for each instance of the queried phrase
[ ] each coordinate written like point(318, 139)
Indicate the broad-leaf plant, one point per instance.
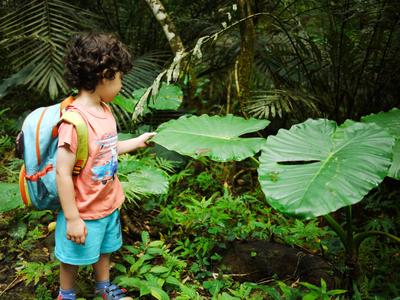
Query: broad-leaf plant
point(312, 169)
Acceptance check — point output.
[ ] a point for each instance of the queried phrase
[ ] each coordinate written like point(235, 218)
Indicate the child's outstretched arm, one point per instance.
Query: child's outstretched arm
point(135, 143)
point(76, 228)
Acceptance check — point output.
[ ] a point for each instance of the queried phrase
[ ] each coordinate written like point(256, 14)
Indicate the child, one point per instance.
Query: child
point(88, 227)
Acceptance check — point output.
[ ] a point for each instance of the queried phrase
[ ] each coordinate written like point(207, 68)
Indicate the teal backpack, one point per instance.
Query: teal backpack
point(37, 145)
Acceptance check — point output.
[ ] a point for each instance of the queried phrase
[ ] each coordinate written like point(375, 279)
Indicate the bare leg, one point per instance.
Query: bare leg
point(67, 276)
point(102, 268)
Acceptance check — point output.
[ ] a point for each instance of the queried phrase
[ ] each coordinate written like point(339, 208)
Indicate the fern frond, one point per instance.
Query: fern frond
point(165, 164)
point(5, 143)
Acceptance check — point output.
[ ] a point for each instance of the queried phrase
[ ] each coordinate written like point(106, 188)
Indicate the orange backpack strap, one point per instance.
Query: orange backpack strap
point(66, 102)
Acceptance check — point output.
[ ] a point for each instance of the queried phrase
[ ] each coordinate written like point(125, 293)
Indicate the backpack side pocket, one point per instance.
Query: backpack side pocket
point(23, 187)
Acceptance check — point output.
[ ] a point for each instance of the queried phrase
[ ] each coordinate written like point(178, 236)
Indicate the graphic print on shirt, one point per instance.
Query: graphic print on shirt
point(106, 161)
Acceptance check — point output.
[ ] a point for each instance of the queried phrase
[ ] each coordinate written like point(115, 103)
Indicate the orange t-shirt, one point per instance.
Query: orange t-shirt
point(98, 191)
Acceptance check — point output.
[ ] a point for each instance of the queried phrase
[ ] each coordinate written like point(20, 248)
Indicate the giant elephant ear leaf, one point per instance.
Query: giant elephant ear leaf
point(389, 121)
point(317, 167)
point(216, 137)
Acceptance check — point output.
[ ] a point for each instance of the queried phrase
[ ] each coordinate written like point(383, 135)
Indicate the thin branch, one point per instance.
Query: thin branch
point(367, 53)
point(116, 9)
point(339, 65)
point(382, 64)
point(13, 283)
point(359, 238)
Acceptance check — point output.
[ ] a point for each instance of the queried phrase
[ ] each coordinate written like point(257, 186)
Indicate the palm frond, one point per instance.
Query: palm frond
point(331, 53)
point(36, 35)
point(277, 103)
point(145, 69)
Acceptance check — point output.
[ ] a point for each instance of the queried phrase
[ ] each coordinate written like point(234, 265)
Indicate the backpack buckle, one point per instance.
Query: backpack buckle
point(77, 168)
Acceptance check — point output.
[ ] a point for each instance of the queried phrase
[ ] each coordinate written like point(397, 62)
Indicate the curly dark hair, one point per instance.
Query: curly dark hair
point(91, 57)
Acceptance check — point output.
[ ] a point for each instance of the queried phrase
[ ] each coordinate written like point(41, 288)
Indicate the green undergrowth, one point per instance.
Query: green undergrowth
point(186, 219)
point(184, 234)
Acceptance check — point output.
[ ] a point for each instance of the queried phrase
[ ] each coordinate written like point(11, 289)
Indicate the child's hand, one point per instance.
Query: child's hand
point(143, 139)
point(76, 231)
point(135, 143)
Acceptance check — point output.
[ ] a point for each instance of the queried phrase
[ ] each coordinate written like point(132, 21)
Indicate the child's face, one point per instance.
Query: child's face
point(107, 89)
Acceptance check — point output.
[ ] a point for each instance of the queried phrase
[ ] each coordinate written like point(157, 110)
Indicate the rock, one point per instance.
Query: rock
point(257, 261)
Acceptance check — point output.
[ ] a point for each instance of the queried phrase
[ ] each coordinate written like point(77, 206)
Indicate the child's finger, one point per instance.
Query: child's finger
point(149, 143)
point(149, 135)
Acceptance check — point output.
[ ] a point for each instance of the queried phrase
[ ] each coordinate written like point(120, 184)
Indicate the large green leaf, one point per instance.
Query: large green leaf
point(149, 180)
point(317, 167)
point(142, 179)
point(127, 104)
point(14, 80)
point(390, 121)
point(216, 136)
point(10, 197)
point(168, 97)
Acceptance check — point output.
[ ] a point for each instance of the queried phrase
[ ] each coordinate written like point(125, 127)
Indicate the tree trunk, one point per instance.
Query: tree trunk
point(244, 62)
point(167, 25)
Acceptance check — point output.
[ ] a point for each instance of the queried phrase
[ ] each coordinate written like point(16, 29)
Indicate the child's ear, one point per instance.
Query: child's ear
point(108, 74)
point(102, 81)
point(105, 73)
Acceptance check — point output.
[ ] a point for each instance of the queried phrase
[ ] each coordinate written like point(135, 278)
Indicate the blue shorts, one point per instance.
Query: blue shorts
point(104, 236)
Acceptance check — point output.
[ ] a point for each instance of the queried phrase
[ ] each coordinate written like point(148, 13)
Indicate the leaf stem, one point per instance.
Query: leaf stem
point(255, 160)
point(349, 228)
point(337, 228)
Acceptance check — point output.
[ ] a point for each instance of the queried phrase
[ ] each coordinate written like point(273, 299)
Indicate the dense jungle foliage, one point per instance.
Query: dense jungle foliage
point(274, 173)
